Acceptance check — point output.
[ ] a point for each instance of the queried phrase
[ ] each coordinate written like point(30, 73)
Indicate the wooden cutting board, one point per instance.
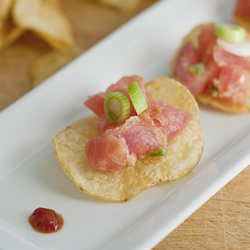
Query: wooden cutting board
point(223, 222)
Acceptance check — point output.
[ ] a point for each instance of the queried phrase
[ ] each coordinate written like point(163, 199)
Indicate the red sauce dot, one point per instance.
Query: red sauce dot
point(46, 220)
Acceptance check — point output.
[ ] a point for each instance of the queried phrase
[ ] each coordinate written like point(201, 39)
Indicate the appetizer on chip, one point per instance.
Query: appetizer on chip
point(213, 63)
point(141, 134)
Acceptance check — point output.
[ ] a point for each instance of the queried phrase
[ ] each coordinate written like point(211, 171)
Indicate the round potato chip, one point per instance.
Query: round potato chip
point(45, 18)
point(208, 99)
point(124, 5)
point(5, 7)
point(244, 22)
point(184, 151)
point(8, 32)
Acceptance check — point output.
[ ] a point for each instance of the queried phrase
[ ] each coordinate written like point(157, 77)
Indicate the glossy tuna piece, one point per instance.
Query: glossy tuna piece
point(224, 58)
point(169, 119)
point(206, 39)
point(122, 145)
point(95, 103)
point(232, 84)
point(188, 56)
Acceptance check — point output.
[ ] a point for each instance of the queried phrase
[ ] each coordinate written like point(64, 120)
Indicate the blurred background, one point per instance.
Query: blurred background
point(39, 37)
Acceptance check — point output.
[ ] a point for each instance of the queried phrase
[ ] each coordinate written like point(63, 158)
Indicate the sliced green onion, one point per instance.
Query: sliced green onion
point(116, 107)
point(159, 152)
point(230, 33)
point(213, 89)
point(137, 98)
point(197, 69)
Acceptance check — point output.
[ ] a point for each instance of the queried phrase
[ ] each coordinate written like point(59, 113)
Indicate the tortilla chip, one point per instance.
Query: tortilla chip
point(124, 5)
point(207, 99)
point(45, 18)
point(51, 62)
point(184, 151)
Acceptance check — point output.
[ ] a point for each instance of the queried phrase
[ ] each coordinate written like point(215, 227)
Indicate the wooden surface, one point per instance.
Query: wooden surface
point(223, 222)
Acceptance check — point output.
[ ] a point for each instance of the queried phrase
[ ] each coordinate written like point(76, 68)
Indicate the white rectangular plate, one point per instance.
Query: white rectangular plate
point(31, 177)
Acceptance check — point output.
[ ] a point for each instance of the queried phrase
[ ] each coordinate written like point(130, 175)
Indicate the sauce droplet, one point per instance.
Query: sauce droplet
point(46, 220)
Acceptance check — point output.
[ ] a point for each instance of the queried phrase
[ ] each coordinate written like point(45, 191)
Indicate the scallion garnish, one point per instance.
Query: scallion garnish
point(197, 69)
point(229, 32)
point(159, 152)
point(137, 98)
point(116, 107)
point(213, 89)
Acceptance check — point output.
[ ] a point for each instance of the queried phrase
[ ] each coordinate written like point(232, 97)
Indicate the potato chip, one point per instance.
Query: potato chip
point(184, 151)
point(244, 22)
point(8, 33)
point(212, 102)
point(45, 18)
point(207, 99)
point(51, 62)
point(5, 7)
point(124, 5)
